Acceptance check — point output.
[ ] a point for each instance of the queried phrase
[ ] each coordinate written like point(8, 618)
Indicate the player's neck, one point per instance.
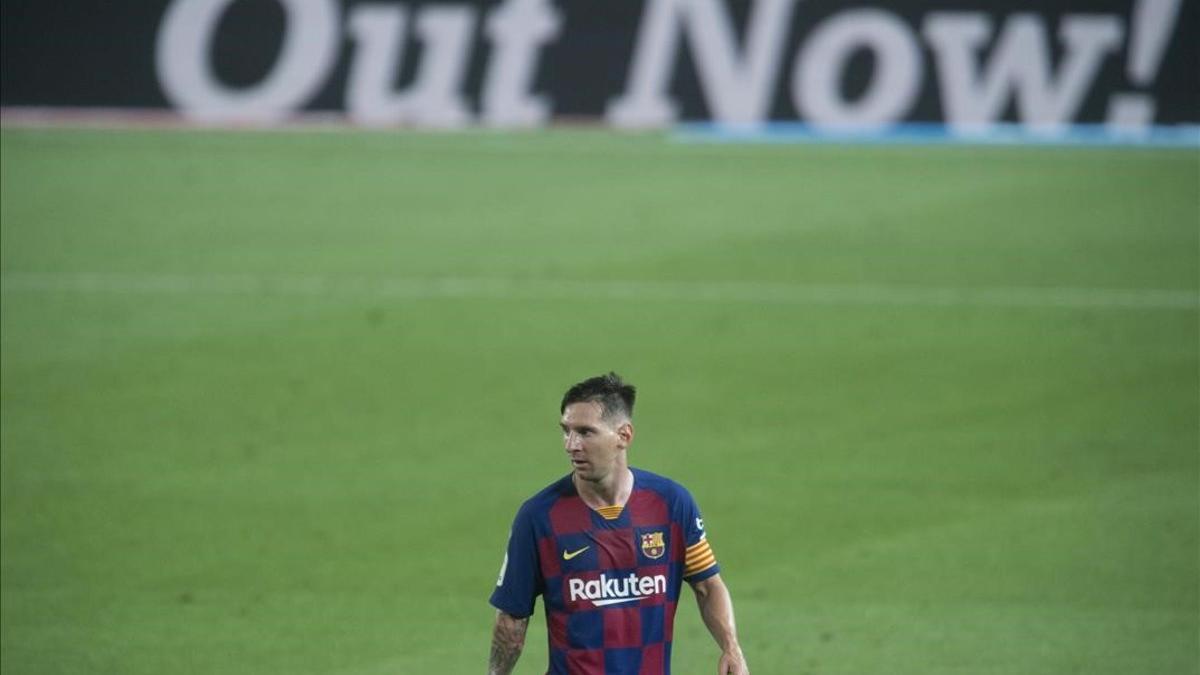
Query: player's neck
point(612, 490)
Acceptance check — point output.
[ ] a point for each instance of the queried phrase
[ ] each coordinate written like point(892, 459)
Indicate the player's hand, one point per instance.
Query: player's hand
point(733, 663)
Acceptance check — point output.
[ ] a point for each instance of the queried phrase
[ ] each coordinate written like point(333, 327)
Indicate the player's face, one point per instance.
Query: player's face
point(596, 447)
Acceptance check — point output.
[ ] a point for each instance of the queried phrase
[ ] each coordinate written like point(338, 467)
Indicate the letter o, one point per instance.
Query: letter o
point(182, 61)
point(816, 77)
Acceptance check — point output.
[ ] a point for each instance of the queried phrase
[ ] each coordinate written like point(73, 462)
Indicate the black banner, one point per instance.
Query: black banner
point(966, 63)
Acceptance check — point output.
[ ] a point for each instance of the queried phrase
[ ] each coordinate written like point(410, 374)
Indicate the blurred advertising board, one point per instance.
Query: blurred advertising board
point(635, 64)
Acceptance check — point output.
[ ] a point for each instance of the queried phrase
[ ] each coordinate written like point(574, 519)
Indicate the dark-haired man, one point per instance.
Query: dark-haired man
point(608, 547)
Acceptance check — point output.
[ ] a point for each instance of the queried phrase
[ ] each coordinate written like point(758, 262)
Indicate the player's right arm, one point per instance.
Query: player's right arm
point(508, 637)
point(516, 591)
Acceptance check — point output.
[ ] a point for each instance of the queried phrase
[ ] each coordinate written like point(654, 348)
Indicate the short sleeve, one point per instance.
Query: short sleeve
point(520, 574)
point(699, 561)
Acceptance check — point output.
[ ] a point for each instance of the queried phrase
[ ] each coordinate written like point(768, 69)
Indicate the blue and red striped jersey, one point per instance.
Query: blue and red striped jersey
point(609, 578)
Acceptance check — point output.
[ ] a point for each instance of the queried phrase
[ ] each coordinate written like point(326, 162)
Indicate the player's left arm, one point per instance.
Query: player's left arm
point(716, 608)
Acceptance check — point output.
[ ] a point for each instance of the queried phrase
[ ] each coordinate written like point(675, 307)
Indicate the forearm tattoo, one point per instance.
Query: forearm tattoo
point(508, 637)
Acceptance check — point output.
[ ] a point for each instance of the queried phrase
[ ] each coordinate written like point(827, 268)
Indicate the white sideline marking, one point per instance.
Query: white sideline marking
point(651, 291)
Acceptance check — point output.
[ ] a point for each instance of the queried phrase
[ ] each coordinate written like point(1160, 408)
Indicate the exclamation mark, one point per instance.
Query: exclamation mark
point(1151, 24)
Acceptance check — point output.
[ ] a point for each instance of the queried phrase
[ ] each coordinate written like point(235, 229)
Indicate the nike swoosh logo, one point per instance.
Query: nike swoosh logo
point(568, 556)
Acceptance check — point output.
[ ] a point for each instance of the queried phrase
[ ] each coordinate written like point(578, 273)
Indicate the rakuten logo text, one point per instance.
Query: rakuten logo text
point(612, 590)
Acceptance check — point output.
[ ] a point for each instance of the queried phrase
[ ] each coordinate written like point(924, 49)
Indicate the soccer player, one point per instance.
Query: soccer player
point(608, 547)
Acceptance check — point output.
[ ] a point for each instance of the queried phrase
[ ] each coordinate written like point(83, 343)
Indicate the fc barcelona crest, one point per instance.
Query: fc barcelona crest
point(652, 545)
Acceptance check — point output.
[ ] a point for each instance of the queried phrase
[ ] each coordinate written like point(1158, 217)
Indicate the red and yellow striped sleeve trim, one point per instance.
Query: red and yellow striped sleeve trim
point(698, 558)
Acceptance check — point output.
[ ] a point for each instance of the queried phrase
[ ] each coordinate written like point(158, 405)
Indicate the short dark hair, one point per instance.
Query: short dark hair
point(613, 394)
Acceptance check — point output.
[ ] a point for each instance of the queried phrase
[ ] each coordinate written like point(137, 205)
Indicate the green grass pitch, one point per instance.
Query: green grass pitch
point(270, 400)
